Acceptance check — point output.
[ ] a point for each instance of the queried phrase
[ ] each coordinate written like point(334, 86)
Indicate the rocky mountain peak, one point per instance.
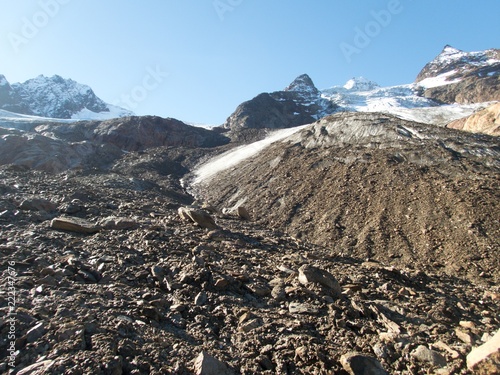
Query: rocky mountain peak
point(302, 83)
point(3, 80)
point(454, 61)
point(449, 50)
point(54, 97)
point(455, 76)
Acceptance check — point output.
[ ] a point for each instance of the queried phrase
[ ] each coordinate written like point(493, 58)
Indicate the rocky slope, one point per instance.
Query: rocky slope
point(374, 186)
point(54, 97)
point(131, 288)
point(486, 121)
point(361, 242)
point(55, 147)
point(456, 76)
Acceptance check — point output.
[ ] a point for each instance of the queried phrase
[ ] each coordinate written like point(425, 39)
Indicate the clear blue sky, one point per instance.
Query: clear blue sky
point(196, 60)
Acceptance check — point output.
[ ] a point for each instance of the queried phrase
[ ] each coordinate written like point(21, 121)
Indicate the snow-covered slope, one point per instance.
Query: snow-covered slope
point(236, 155)
point(56, 97)
point(404, 101)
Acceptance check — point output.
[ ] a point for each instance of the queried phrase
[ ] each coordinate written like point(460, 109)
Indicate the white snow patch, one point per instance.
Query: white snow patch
point(439, 80)
point(237, 155)
point(114, 112)
point(11, 116)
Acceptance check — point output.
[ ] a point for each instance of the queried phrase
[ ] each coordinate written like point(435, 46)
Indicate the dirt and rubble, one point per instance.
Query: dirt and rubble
point(375, 186)
point(150, 293)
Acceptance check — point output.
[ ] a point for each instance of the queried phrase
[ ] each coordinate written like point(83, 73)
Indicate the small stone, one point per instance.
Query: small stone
point(35, 333)
point(424, 354)
point(178, 307)
point(47, 280)
point(278, 292)
point(42, 367)
point(38, 204)
point(201, 298)
point(158, 272)
point(118, 223)
point(485, 359)
point(359, 364)
point(464, 336)
point(221, 283)
point(243, 213)
point(301, 308)
point(205, 364)
point(265, 362)
point(310, 274)
point(250, 325)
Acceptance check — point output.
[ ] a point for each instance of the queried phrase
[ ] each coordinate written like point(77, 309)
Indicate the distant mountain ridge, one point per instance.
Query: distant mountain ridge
point(453, 77)
point(55, 97)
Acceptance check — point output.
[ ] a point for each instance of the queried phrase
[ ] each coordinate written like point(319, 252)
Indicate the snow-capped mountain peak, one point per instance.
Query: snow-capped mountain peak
point(452, 64)
point(56, 97)
point(302, 84)
point(360, 84)
point(449, 51)
point(3, 80)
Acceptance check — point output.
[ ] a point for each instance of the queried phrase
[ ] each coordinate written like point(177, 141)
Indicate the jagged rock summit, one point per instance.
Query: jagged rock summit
point(55, 97)
point(298, 104)
point(303, 84)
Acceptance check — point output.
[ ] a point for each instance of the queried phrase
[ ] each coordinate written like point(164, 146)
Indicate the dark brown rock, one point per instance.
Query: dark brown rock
point(74, 225)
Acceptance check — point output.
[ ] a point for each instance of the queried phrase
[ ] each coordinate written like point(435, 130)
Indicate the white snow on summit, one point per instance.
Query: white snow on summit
point(360, 84)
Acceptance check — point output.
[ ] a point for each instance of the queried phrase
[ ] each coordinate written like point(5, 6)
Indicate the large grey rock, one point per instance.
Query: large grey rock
point(310, 274)
point(73, 224)
point(197, 216)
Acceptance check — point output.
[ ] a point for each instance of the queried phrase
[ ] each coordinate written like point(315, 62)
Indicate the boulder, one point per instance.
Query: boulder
point(243, 213)
point(360, 364)
point(198, 217)
point(310, 274)
point(73, 224)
